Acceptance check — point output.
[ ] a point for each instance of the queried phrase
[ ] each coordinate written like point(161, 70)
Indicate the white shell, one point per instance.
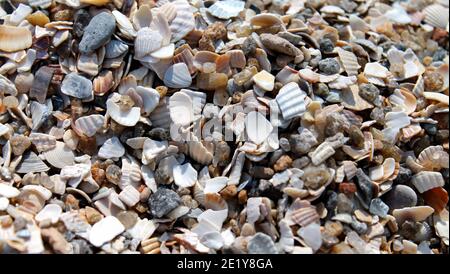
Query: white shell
point(375, 69)
point(143, 229)
point(8, 191)
point(257, 127)
point(42, 142)
point(42, 191)
point(394, 121)
point(50, 212)
point(199, 153)
point(437, 16)
point(60, 156)
point(164, 52)
point(311, 235)
point(226, 9)
point(77, 86)
point(184, 175)
point(433, 158)
point(184, 21)
point(264, 80)
point(152, 149)
point(89, 125)
point(4, 203)
point(384, 171)
point(161, 25)
point(147, 41)
point(150, 98)
point(426, 180)
point(181, 109)
point(149, 178)
point(215, 184)
point(178, 76)
point(127, 118)
point(160, 117)
point(198, 100)
point(131, 174)
point(321, 153)
point(349, 61)
point(440, 97)
point(112, 148)
point(291, 101)
point(124, 24)
point(105, 230)
point(21, 12)
point(441, 224)
point(417, 213)
point(142, 18)
point(129, 196)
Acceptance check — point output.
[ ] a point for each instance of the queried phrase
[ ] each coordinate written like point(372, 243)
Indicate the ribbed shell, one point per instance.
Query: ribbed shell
point(111, 148)
point(42, 142)
point(349, 61)
point(321, 153)
point(426, 180)
point(199, 153)
point(31, 163)
point(89, 125)
point(115, 48)
point(160, 117)
point(291, 100)
point(436, 15)
point(178, 76)
point(187, 58)
point(198, 99)
point(129, 196)
point(226, 9)
point(433, 158)
point(184, 21)
point(60, 156)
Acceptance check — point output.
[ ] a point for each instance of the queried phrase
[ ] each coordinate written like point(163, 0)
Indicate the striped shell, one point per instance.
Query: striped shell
point(160, 117)
point(433, 158)
point(226, 9)
point(129, 196)
point(426, 180)
point(184, 21)
point(42, 142)
point(322, 153)
point(382, 172)
point(60, 156)
point(291, 101)
point(151, 246)
point(89, 125)
point(31, 163)
point(436, 15)
point(178, 76)
point(14, 38)
point(349, 61)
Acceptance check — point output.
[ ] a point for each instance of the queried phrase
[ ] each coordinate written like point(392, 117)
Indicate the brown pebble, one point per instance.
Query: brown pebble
point(242, 196)
point(229, 192)
point(282, 163)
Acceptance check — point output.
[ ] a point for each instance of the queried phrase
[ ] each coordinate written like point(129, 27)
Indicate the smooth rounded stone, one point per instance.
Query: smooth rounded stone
point(344, 204)
point(442, 136)
point(301, 162)
point(77, 86)
point(97, 32)
point(400, 196)
point(429, 128)
point(284, 144)
point(322, 90)
point(336, 123)
point(377, 114)
point(378, 207)
point(163, 201)
point(333, 97)
point(369, 92)
point(439, 55)
point(249, 46)
point(359, 227)
point(278, 44)
point(326, 45)
point(303, 142)
point(356, 136)
point(328, 240)
point(329, 66)
point(261, 243)
point(261, 172)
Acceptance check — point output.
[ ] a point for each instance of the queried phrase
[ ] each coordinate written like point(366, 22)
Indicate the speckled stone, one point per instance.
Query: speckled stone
point(163, 201)
point(97, 33)
point(329, 66)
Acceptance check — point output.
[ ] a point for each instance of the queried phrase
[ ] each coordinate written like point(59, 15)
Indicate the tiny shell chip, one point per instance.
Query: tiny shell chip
point(214, 185)
point(257, 127)
point(14, 38)
point(178, 76)
point(105, 230)
point(129, 196)
point(77, 86)
point(112, 148)
point(417, 213)
point(291, 101)
point(184, 175)
point(8, 191)
point(376, 70)
point(143, 229)
point(181, 109)
point(42, 142)
point(264, 80)
point(50, 212)
point(427, 180)
point(226, 9)
point(349, 61)
point(89, 125)
point(128, 118)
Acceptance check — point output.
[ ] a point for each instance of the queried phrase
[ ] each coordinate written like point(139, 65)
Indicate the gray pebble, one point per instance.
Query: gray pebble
point(365, 185)
point(284, 144)
point(303, 142)
point(369, 92)
point(97, 33)
point(334, 97)
point(261, 243)
point(322, 90)
point(400, 196)
point(163, 201)
point(359, 227)
point(76, 86)
point(344, 204)
point(378, 207)
point(329, 66)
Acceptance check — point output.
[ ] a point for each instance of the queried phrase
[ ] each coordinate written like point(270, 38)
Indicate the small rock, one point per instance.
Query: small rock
point(378, 207)
point(278, 44)
point(344, 204)
point(19, 144)
point(442, 136)
point(365, 185)
point(283, 163)
point(322, 90)
point(284, 144)
point(329, 66)
point(369, 92)
point(163, 201)
point(326, 45)
point(400, 196)
point(97, 33)
point(56, 240)
point(377, 114)
point(261, 172)
point(81, 247)
point(439, 55)
point(359, 227)
point(261, 243)
point(81, 20)
point(334, 228)
point(301, 162)
point(113, 174)
point(303, 142)
point(336, 123)
point(356, 136)
point(333, 97)
point(433, 80)
point(249, 46)
point(429, 128)
point(421, 144)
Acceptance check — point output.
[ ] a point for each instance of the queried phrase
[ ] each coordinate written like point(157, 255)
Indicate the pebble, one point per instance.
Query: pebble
point(365, 185)
point(326, 45)
point(442, 136)
point(336, 123)
point(344, 204)
point(261, 172)
point(261, 243)
point(429, 128)
point(249, 46)
point(378, 207)
point(278, 44)
point(163, 201)
point(284, 144)
point(359, 227)
point(369, 92)
point(400, 196)
point(322, 90)
point(303, 142)
point(97, 32)
point(283, 163)
point(19, 144)
point(329, 66)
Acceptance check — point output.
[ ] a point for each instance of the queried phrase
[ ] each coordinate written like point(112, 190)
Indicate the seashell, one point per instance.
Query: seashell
point(27, 62)
point(257, 127)
point(436, 15)
point(150, 98)
point(199, 153)
point(439, 97)
point(115, 48)
point(215, 185)
point(161, 25)
point(349, 61)
point(404, 100)
point(131, 174)
point(184, 21)
point(186, 57)
point(314, 77)
point(264, 80)
point(77, 86)
point(103, 83)
point(95, 2)
point(237, 58)
point(426, 180)
point(149, 178)
point(332, 10)
point(287, 75)
point(124, 25)
point(263, 60)
point(39, 113)
point(181, 109)
point(152, 148)
point(160, 117)
point(142, 18)
point(311, 235)
point(4, 203)
point(384, 171)
point(129, 196)
point(14, 38)
point(111, 149)
point(19, 14)
point(265, 20)
point(128, 118)
point(8, 191)
point(7, 86)
point(205, 61)
point(89, 125)
point(42, 142)
point(376, 70)
point(147, 41)
point(143, 229)
point(50, 212)
point(441, 224)
point(105, 230)
point(394, 121)
point(60, 156)
point(184, 175)
point(88, 63)
point(177, 76)
point(165, 52)
point(322, 153)
point(416, 214)
point(226, 9)
point(291, 101)
point(198, 100)
point(433, 158)
point(31, 163)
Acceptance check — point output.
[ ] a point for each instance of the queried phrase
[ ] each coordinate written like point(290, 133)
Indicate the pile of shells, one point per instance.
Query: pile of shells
point(207, 126)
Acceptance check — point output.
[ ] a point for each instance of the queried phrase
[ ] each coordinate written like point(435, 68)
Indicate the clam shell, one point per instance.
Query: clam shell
point(42, 142)
point(124, 24)
point(14, 38)
point(112, 148)
point(405, 100)
point(416, 214)
point(437, 16)
point(168, 9)
point(178, 76)
point(147, 41)
point(19, 14)
point(237, 58)
point(184, 21)
point(384, 171)
point(50, 212)
point(142, 18)
point(60, 156)
point(322, 153)
point(129, 196)
point(291, 101)
point(31, 163)
point(126, 118)
point(105, 230)
point(181, 109)
point(160, 117)
point(184, 175)
point(394, 121)
point(89, 125)
point(143, 229)
point(439, 97)
point(88, 63)
point(226, 9)
point(349, 61)
point(205, 61)
point(199, 153)
point(150, 98)
point(426, 180)
point(115, 48)
point(257, 127)
point(265, 20)
point(433, 158)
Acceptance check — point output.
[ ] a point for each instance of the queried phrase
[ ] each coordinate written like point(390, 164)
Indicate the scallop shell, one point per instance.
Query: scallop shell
point(128, 118)
point(291, 101)
point(60, 156)
point(198, 100)
point(184, 21)
point(147, 41)
point(14, 38)
point(115, 48)
point(433, 158)
point(349, 61)
point(89, 125)
point(50, 212)
point(105, 230)
point(426, 180)
point(178, 76)
point(184, 175)
point(166, 52)
point(112, 148)
point(181, 109)
point(160, 117)
point(31, 163)
point(124, 25)
point(42, 142)
point(416, 214)
point(226, 9)
point(142, 18)
point(169, 10)
point(439, 97)
point(437, 16)
point(322, 153)
point(129, 196)
point(199, 153)
point(150, 98)
point(257, 127)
